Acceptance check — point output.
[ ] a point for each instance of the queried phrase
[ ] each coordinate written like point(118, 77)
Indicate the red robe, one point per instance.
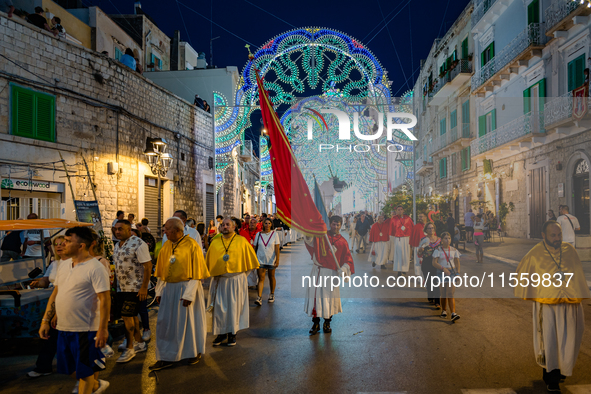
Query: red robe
point(249, 235)
point(377, 229)
point(417, 234)
point(324, 256)
point(396, 224)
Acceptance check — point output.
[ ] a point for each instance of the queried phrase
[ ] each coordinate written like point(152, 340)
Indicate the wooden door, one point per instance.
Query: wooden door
point(537, 202)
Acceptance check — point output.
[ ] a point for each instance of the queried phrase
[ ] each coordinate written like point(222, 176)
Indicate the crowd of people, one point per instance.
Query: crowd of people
point(230, 255)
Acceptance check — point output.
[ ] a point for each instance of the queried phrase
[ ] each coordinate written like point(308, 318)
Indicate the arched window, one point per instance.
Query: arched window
point(582, 168)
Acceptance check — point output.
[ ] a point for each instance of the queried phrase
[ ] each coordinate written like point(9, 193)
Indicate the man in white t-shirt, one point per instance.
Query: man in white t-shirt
point(33, 243)
point(133, 267)
point(81, 299)
point(120, 216)
point(569, 225)
point(190, 231)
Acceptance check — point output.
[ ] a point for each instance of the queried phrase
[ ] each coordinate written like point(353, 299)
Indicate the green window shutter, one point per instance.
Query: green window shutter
point(466, 112)
point(118, 53)
point(465, 49)
point(533, 12)
point(442, 124)
point(453, 120)
point(469, 158)
point(463, 158)
point(542, 100)
point(579, 71)
point(527, 101)
point(482, 125)
point(492, 49)
point(493, 119)
point(482, 63)
point(445, 167)
point(23, 112)
point(441, 169)
point(33, 114)
point(45, 118)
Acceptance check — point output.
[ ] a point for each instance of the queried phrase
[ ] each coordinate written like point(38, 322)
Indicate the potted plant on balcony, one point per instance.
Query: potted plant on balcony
point(470, 57)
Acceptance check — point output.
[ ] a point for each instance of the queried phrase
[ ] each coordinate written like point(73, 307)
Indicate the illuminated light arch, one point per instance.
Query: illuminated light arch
point(295, 62)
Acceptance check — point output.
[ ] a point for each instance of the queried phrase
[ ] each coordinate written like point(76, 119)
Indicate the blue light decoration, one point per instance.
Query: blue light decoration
point(301, 60)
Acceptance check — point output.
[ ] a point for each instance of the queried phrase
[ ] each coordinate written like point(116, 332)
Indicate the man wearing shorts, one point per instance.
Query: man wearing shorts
point(133, 267)
point(81, 299)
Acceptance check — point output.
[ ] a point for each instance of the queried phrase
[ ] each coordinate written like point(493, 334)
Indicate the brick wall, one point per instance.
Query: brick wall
point(94, 94)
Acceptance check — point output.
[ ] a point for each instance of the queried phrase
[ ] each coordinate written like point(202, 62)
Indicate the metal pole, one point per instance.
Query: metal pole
point(414, 184)
point(69, 183)
point(159, 200)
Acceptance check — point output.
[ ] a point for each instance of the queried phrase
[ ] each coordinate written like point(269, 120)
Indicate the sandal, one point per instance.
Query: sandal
point(437, 306)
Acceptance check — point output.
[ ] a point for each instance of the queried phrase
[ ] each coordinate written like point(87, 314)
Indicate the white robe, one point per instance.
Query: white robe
point(180, 331)
point(417, 260)
point(401, 254)
point(558, 333)
point(327, 302)
point(381, 250)
point(230, 309)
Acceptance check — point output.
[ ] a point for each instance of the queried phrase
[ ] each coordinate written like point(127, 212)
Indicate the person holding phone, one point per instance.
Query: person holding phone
point(446, 258)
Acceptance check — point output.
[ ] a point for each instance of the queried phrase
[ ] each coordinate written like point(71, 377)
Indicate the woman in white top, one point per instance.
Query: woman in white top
point(267, 244)
point(446, 258)
point(51, 271)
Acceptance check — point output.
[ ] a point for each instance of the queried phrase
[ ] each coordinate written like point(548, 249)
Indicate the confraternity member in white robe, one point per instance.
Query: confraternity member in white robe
point(401, 227)
point(558, 318)
point(181, 327)
point(322, 301)
point(379, 236)
point(228, 259)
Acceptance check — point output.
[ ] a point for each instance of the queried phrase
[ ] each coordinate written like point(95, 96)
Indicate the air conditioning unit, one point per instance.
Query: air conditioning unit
point(246, 151)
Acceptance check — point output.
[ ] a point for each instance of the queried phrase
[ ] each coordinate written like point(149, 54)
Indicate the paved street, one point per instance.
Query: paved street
point(377, 345)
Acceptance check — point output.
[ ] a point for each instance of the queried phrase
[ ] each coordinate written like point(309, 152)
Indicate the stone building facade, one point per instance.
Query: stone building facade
point(86, 105)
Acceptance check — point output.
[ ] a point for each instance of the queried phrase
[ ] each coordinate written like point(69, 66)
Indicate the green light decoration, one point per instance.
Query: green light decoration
point(301, 60)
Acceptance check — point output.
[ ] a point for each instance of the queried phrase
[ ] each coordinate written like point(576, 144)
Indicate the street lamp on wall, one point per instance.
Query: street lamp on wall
point(159, 161)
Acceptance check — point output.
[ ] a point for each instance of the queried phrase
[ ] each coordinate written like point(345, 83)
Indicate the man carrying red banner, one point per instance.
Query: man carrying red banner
point(323, 301)
point(401, 227)
point(379, 236)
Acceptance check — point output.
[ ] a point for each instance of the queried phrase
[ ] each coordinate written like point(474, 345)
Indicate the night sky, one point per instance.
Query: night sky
point(399, 47)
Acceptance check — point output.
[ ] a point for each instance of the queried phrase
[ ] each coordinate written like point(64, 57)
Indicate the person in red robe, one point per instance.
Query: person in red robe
point(322, 301)
point(250, 232)
point(415, 239)
point(379, 236)
point(246, 222)
point(401, 227)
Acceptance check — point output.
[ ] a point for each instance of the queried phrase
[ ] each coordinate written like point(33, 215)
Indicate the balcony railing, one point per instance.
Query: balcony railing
point(464, 66)
point(480, 9)
point(558, 10)
point(560, 109)
point(531, 36)
point(443, 141)
point(527, 124)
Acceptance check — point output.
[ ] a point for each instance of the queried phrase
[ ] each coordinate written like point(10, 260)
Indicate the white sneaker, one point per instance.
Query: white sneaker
point(103, 385)
point(34, 374)
point(126, 356)
point(123, 345)
point(147, 334)
point(75, 389)
point(139, 347)
point(108, 351)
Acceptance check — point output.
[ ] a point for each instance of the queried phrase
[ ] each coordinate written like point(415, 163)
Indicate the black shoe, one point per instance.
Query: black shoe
point(373, 264)
point(194, 360)
point(219, 339)
point(455, 316)
point(562, 378)
point(315, 327)
point(553, 387)
point(231, 339)
point(384, 266)
point(357, 250)
point(160, 365)
point(326, 327)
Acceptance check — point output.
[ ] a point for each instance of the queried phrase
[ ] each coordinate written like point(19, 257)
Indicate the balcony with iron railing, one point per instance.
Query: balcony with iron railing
point(561, 13)
point(460, 73)
point(558, 113)
point(424, 163)
point(480, 9)
point(453, 140)
point(528, 44)
point(511, 137)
